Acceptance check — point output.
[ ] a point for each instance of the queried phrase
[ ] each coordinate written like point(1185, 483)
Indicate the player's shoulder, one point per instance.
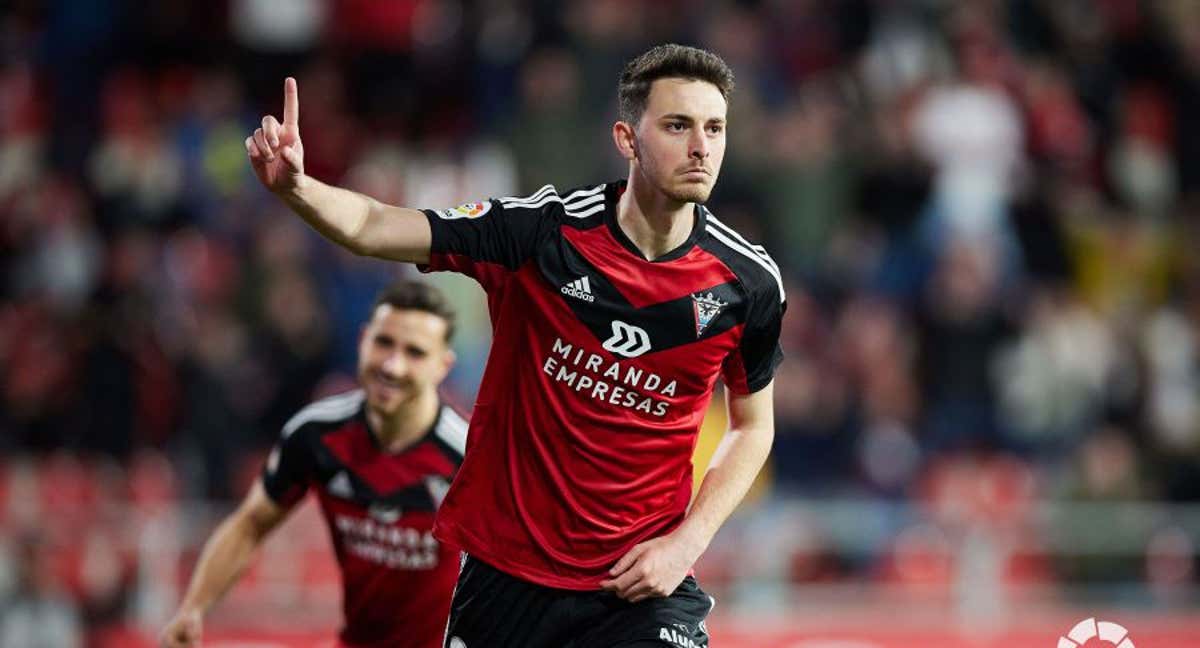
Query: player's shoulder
point(324, 413)
point(450, 430)
point(754, 267)
point(578, 206)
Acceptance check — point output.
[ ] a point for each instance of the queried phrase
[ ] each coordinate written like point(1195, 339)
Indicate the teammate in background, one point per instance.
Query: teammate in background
point(615, 309)
point(380, 459)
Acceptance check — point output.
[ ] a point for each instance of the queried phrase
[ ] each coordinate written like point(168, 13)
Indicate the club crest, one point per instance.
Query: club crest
point(706, 307)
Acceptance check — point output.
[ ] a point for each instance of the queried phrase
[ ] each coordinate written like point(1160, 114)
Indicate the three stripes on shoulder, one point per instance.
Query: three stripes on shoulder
point(580, 203)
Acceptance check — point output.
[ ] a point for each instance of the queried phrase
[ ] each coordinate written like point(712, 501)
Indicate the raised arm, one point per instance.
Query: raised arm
point(657, 566)
point(357, 222)
point(225, 557)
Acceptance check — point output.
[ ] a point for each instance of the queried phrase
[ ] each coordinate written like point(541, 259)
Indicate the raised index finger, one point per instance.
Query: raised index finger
point(291, 103)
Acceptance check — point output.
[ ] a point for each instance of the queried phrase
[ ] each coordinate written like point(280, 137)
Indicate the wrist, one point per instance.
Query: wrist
point(295, 193)
point(192, 609)
point(691, 541)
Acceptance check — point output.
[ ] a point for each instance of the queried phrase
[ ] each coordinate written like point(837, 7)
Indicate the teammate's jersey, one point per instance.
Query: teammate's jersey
point(396, 578)
point(601, 370)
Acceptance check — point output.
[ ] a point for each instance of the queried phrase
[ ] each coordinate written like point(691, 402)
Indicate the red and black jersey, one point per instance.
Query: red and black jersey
point(397, 579)
point(601, 370)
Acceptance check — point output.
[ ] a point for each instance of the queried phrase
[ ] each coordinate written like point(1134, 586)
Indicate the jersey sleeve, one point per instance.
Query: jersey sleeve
point(289, 468)
point(489, 240)
point(752, 365)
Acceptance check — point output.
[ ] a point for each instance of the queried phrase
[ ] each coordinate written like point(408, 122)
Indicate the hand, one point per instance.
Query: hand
point(183, 631)
point(275, 151)
point(653, 568)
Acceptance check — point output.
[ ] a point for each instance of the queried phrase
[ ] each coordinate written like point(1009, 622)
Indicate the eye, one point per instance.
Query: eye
point(675, 127)
point(716, 129)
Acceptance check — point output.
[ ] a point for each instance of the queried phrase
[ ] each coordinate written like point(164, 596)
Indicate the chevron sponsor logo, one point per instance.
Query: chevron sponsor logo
point(609, 381)
point(385, 513)
point(581, 288)
point(627, 340)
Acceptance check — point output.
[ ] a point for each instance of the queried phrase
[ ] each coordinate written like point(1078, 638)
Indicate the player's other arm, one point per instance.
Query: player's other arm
point(738, 459)
point(357, 222)
point(657, 566)
point(225, 557)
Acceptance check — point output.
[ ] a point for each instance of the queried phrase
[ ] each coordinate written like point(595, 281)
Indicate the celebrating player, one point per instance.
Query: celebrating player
point(380, 459)
point(615, 309)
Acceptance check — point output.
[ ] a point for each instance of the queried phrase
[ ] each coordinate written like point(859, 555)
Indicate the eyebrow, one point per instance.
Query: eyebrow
point(689, 119)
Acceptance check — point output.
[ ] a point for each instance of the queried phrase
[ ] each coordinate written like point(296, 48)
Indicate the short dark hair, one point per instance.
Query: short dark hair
point(407, 294)
point(668, 61)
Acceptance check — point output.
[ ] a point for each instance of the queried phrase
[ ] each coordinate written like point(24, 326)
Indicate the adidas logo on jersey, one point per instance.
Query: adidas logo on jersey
point(581, 288)
point(340, 485)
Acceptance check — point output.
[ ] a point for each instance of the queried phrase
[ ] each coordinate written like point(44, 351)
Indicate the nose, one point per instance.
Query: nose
point(394, 365)
point(698, 146)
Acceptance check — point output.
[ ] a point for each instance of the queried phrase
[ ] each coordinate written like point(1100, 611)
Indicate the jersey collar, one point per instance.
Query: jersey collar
point(612, 195)
point(429, 432)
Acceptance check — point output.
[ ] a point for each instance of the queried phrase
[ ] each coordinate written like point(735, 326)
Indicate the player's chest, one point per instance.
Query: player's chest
point(383, 533)
point(360, 481)
point(691, 308)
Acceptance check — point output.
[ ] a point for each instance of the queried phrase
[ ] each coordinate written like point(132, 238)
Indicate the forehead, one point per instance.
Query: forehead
point(406, 324)
point(699, 100)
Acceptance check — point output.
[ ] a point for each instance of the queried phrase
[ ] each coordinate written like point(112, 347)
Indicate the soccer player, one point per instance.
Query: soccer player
point(380, 459)
point(615, 309)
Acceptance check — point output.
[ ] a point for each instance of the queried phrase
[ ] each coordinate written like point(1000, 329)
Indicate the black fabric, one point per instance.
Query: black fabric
point(669, 323)
point(289, 469)
point(760, 349)
point(494, 610)
point(506, 235)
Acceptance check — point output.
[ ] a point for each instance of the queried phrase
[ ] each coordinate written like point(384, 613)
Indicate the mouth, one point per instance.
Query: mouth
point(696, 174)
point(385, 384)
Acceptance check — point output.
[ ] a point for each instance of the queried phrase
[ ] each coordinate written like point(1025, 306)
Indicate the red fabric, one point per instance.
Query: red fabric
point(353, 446)
point(643, 283)
point(560, 481)
point(401, 597)
point(396, 579)
point(375, 24)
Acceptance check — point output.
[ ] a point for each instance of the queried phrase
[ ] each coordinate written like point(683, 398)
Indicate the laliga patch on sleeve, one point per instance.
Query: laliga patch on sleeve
point(466, 210)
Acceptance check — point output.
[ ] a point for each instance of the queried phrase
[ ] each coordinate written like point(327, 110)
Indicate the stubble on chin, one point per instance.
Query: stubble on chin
point(692, 194)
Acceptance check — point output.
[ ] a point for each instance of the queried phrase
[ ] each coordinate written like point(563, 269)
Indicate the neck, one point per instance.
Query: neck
point(653, 221)
point(397, 431)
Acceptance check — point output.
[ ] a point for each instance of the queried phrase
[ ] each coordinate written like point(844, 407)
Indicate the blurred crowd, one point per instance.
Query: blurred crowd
point(985, 212)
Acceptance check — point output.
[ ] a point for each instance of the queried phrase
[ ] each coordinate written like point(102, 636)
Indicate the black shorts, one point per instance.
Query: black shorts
point(494, 610)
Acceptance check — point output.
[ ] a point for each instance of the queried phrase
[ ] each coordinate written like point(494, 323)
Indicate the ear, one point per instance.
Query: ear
point(448, 360)
point(625, 138)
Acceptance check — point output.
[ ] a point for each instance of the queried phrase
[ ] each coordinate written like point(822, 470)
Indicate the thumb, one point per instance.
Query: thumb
point(626, 561)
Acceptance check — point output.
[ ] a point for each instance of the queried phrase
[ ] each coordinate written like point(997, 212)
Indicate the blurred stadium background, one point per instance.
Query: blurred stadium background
point(986, 210)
